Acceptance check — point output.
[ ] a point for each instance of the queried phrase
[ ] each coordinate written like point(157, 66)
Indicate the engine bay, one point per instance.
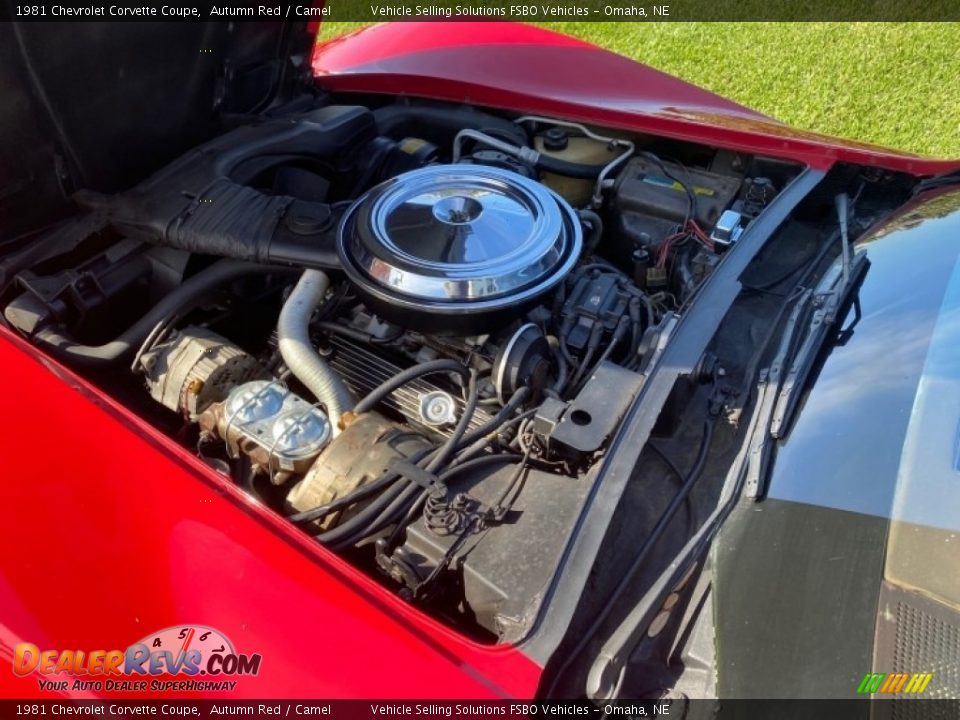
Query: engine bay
point(411, 330)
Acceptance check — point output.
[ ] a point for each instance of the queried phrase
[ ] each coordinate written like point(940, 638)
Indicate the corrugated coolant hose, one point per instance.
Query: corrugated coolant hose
point(296, 348)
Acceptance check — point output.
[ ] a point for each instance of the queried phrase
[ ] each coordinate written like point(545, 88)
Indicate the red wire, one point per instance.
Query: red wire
point(690, 229)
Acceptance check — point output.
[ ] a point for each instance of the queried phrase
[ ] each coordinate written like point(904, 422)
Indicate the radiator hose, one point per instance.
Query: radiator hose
point(293, 335)
point(26, 311)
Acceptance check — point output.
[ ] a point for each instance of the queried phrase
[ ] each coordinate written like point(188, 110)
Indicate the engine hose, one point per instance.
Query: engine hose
point(358, 335)
point(365, 516)
point(445, 452)
point(179, 301)
point(392, 512)
point(388, 479)
point(596, 230)
point(563, 369)
point(516, 400)
point(592, 344)
point(566, 168)
point(417, 506)
point(441, 124)
point(437, 458)
point(297, 351)
point(478, 446)
point(412, 373)
point(359, 494)
point(478, 462)
point(392, 504)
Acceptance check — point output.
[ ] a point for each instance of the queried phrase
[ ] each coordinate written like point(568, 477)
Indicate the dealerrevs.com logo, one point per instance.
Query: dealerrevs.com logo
point(183, 658)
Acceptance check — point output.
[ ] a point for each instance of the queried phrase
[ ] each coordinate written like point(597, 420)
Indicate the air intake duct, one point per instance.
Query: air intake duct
point(203, 203)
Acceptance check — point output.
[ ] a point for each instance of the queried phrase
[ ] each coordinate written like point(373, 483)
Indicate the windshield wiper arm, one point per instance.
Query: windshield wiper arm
point(829, 300)
point(779, 394)
point(767, 394)
point(822, 328)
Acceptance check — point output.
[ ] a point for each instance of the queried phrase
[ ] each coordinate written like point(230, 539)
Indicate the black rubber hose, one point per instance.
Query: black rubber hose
point(390, 478)
point(362, 518)
point(358, 528)
point(441, 124)
point(180, 300)
point(358, 335)
point(481, 444)
point(596, 230)
point(516, 400)
point(569, 169)
point(451, 444)
point(563, 369)
point(443, 479)
point(359, 494)
point(412, 373)
point(393, 511)
point(479, 462)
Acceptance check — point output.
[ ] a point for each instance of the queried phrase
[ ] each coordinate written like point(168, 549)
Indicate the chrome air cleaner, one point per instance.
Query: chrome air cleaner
point(454, 249)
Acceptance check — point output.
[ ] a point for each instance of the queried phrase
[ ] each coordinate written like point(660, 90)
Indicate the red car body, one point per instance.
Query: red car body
point(111, 531)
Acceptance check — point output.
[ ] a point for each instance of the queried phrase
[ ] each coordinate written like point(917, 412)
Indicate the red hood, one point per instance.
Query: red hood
point(520, 67)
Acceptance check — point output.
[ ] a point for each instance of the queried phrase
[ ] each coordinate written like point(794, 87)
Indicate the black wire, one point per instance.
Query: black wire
point(367, 514)
point(383, 510)
point(392, 510)
point(402, 378)
point(691, 196)
point(626, 579)
point(358, 335)
point(444, 479)
point(676, 472)
point(484, 442)
point(399, 491)
point(359, 494)
point(449, 447)
point(475, 522)
point(389, 477)
point(475, 463)
point(518, 398)
point(514, 479)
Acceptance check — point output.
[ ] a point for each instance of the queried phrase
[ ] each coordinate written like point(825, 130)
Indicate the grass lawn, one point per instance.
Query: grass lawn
point(894, 84)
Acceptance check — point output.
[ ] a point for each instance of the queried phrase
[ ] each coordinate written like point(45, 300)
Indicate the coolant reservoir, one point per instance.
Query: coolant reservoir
point(557, 142)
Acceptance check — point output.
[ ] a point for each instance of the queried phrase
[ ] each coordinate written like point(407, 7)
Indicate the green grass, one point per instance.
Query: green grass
point(894, 84)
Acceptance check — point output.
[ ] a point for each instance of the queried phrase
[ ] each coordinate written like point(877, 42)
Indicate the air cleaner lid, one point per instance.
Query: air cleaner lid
point(459, 236)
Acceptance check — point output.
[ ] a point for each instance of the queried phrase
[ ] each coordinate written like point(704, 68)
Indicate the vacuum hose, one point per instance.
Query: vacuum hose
point(293, 334)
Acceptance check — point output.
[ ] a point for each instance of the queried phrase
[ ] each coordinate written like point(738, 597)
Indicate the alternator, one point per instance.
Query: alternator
point(194, 369)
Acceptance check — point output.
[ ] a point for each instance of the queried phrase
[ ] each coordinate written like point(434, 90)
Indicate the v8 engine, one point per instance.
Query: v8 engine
point(411, 330)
